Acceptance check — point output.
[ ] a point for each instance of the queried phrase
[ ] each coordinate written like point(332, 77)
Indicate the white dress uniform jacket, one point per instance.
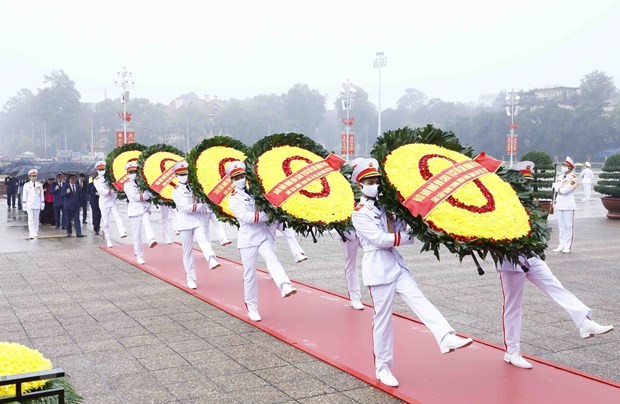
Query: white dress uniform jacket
point(188, 210)
point(138, 200)
point(107, 194)
point(565, 187)
point(378, 234)
point(253, 227)
point(33, 196)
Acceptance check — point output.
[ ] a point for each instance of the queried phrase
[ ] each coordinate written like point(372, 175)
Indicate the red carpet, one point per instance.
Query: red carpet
point(322, 324)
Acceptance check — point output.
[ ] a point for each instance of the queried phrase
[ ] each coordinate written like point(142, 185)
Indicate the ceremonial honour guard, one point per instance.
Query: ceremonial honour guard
point(512, 278)
point(586, 180)
point(565, 206)
point(107, 204)
point(255, 238)
point(385, 273)
point(33, 202)
point(139, 211)
point(189, 223)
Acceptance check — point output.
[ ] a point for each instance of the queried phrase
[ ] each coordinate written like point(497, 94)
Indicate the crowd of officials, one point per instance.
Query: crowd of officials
point(65, 201)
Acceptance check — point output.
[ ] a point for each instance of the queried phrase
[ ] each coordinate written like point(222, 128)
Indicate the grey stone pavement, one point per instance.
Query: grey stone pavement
point(125, 336)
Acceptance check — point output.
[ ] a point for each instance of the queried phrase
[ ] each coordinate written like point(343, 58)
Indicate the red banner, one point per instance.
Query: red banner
point(120, 184)
point(164, 179)
point(440, 186)
point(120, 138)
point(302, 178)
point(221, 190)
point(512, 151)
point(131, 137)
point(351, 149)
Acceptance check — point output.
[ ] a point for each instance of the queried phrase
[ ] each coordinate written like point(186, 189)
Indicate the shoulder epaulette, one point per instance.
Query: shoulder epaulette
point(234, 192)
point(359, 206)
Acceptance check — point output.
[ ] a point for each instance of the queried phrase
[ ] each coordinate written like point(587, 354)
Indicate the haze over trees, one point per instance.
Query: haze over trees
point(585, 123)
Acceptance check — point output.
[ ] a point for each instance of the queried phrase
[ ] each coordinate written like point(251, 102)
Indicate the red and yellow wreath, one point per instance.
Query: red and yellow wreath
point(300, 184)
point(115, 165)
point(156, 173)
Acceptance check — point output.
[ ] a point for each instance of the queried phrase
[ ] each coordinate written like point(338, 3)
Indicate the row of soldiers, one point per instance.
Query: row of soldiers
point(377, 232)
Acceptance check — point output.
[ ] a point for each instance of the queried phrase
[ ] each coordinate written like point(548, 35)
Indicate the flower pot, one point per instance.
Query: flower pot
point(545, 206)
point(613, 207)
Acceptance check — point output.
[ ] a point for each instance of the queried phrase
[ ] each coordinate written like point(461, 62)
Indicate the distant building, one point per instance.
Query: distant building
point(212, 105)
point(563, 97)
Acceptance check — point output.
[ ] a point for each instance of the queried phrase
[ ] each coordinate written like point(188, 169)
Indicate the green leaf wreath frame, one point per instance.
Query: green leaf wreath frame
point(303, 227)
point(110, 159)
point(141, 180)
point(533, 244)
point(192, 157)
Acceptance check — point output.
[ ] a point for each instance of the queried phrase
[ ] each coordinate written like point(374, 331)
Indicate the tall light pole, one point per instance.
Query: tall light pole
point(512, 109)
point(124, 80)
point(347, 93)
point(379, 62)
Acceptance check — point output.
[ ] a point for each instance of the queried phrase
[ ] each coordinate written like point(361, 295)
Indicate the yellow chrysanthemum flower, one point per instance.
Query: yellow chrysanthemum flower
point(210, 169)
point(118, 166)
point(486, 208)
point(327, 201)
point(16, 359)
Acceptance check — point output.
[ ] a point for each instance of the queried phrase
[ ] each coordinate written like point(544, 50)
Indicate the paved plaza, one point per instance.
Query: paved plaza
point(125, 336)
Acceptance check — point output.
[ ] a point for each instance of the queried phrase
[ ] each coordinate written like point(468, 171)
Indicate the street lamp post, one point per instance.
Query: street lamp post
point(512, 109)
point(124, 80)
point(347, 93)
point(380, 61)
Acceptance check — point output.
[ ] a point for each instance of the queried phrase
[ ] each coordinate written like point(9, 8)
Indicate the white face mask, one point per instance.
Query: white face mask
point(132, 176)
point(182, 179)
point(564, 169)
point(370, 191)
point(101, 172)
point(240, 183)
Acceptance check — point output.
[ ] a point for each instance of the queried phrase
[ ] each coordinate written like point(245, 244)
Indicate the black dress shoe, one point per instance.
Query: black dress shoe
point(68, 235)
point(80, 236)
point(97, 232)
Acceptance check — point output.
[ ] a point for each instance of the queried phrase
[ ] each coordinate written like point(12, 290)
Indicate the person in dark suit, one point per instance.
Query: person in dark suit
point(84, 196)
point(11, 190)
point(59, 200)
point(93, 197)
point(72, 194)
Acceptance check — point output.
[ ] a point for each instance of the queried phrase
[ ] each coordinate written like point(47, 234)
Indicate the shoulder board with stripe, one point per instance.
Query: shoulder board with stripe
point(360, 206)
point(234, 192)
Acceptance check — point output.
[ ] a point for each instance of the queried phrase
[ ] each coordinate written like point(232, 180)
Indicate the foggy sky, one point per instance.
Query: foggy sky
point(452, 50)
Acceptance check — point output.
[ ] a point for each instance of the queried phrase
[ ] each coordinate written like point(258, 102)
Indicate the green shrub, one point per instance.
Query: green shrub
point(544, 173)
point(609, 180)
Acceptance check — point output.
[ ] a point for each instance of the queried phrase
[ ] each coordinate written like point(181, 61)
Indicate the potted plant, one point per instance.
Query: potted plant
point(609, 184)
point(544, 175)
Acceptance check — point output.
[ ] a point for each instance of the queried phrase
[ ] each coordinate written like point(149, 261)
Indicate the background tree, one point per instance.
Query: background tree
point(597, 88)
point(304, 109)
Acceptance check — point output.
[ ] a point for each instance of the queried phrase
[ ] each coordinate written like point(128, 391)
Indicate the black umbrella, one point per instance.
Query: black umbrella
point(50, 170)
point(16, 165)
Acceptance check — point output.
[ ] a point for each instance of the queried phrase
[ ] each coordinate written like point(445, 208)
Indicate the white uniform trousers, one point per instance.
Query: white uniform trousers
point(383, 299)
point(33, 222)
point(587, 189)
point(218, 227)
point(512, 289)
point(165, 224)
point(187, 238)
point(106, 214)
point(136, 226)
point(350, 248)
point(291, 239)
point(267, 251)
point(566, 227)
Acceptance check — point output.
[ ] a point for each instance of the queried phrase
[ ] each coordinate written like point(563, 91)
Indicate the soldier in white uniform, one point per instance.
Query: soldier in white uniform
point(33, 201)
point(565, 206)
point(255, 238)
point(107, 204)
point(350, 246)
point(586, 180)
point(512, 278)
point(385, 273)
point(139, 212)
point(189, 223)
